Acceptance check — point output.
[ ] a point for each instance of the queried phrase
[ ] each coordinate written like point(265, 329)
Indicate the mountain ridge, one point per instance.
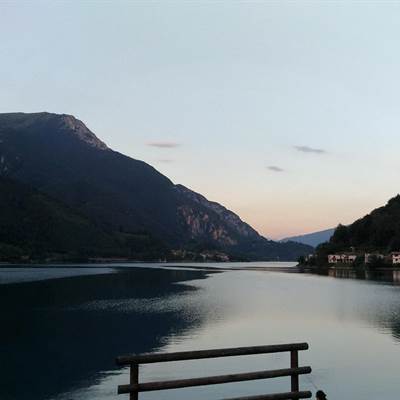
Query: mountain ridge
point(58, 155)
point(312, 239)
point(377, 231)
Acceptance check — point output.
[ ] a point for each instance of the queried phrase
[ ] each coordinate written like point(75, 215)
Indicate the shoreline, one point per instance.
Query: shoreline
point(21, 273)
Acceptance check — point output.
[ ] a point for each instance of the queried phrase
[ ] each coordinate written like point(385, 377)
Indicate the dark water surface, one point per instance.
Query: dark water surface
point(59, 337)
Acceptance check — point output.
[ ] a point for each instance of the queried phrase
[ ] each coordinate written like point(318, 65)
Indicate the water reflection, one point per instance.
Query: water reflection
point(61, 336)
point(58, 334)
point(384, 311)
point(384, 274)
point(348, 323)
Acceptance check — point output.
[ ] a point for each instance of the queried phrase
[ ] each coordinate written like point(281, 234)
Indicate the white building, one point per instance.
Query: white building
point(395, 257)
point(342, 258)
point(348, 258)
point(334, 258)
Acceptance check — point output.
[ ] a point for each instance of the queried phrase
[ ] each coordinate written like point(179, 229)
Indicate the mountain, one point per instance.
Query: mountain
point(243, 241)
point(60, 157)
point(35, 226)
point(31, 221)
point(379, 230)
point(312, 239)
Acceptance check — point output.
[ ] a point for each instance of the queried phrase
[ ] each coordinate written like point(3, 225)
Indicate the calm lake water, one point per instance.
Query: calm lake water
point(60, 334)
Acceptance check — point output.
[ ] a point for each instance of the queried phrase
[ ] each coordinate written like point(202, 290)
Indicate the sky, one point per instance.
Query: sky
point(287, 113)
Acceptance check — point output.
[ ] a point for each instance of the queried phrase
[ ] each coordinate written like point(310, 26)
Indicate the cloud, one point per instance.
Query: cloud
point(165, 160)
point(307, 149)
point(164, 145)
point(274, 168)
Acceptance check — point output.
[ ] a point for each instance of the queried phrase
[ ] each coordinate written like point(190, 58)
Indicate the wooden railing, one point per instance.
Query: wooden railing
point(134, 387)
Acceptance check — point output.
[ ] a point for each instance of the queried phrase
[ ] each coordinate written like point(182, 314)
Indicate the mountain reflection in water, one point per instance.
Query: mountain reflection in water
point(58, 334)
point(59, 337)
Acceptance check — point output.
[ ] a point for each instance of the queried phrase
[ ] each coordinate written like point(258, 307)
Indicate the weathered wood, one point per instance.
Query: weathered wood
point(134, 388)
point(276, 396)
point(134, 380)
point(294, 363)
point(215, 353)
point(212, 380)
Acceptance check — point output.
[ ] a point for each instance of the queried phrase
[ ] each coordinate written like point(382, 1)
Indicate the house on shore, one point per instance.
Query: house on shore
point(395, 257)
point(349, 258)
point(344, 258)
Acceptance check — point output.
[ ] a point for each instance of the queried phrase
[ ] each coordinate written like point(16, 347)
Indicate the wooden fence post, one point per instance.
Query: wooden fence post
point(294, 363)
point(134, 380)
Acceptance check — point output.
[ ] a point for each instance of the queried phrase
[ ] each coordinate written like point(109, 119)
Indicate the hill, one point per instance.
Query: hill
point(59, 156)
point(312, 239)
point(378, 231)
point(35, 226)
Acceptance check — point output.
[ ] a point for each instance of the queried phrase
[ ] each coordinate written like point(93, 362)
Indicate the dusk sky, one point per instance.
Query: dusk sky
point(288, 113)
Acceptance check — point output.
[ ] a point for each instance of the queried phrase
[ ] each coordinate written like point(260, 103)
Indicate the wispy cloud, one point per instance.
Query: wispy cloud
point(307, 149)
point(163, 145)
point(165, 160)
point(274, 168)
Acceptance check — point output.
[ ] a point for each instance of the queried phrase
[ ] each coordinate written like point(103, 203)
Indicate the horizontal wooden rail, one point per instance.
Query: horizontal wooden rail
point(212, 380)
point(134, 387)
point(215, 353)
point(277, 396)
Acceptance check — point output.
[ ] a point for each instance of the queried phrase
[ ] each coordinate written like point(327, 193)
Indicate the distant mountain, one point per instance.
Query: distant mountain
point(379, 230)
point(59, 156)
point(312, 239)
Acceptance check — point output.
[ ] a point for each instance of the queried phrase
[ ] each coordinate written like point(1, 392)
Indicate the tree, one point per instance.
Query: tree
point(341, 236)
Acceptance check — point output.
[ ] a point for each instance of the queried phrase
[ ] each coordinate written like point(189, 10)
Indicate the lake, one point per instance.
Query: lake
point(62, 328)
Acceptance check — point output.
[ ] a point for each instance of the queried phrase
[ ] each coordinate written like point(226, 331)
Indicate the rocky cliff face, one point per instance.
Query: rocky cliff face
point(76, 127)
point(60, 156)
point(230, 219)
point(12, 123)
point(203, 226)
point(207, 218)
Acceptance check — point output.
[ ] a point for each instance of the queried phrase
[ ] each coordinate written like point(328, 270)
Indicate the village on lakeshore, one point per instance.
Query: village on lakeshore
point(350, 258)
point(353, 257)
